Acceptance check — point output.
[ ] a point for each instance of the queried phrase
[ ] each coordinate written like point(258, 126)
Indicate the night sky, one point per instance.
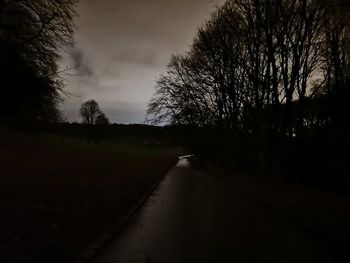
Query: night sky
point(121, 49)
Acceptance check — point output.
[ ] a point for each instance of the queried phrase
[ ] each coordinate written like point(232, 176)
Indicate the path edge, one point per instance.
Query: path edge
point(97, 248)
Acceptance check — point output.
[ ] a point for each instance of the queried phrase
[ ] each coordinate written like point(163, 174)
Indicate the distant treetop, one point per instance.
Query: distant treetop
point(91, 114)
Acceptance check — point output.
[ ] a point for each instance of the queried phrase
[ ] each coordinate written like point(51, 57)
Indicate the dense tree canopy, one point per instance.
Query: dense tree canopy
point(32, 35)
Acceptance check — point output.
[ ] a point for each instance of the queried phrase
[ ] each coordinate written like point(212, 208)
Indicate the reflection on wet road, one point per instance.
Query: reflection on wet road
point(194, 217)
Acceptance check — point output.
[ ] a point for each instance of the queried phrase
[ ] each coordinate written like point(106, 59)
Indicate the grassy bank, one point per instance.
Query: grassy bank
point(59, 195)
point(324, 215)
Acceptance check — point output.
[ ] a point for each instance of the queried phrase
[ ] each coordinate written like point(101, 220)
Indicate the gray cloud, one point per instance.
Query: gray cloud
point(121, 112)
point(123, 47)
point(137, 56)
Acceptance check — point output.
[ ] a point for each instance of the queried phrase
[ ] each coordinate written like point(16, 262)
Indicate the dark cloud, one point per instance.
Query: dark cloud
point(79, 63)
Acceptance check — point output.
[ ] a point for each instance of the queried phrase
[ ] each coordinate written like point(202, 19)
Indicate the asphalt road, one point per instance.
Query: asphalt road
point(195, 217)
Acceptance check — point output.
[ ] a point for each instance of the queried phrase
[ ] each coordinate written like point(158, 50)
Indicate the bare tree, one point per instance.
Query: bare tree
point(89, 112)
point(32, 36)
point(255, 65)
point(38, 30)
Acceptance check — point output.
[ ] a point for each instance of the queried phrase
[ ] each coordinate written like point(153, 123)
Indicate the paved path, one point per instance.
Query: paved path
point(194, 217)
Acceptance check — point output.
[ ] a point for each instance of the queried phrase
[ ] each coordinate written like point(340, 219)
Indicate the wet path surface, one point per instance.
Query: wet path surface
point(195, 217)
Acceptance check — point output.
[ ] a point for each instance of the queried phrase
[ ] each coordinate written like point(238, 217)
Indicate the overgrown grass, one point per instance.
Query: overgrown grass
point(59, 195)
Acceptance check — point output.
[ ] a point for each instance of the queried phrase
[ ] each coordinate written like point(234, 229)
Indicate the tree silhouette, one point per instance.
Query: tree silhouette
point(102, 120)
point(32, 35)
point(255, 66)
point(269, 81)
point(89, 112)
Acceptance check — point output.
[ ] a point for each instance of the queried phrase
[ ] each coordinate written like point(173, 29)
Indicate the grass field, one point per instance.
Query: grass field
point(59, 195)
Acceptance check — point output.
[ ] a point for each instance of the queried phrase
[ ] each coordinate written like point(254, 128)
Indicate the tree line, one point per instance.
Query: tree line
point(259, 65)
point(265, 86)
